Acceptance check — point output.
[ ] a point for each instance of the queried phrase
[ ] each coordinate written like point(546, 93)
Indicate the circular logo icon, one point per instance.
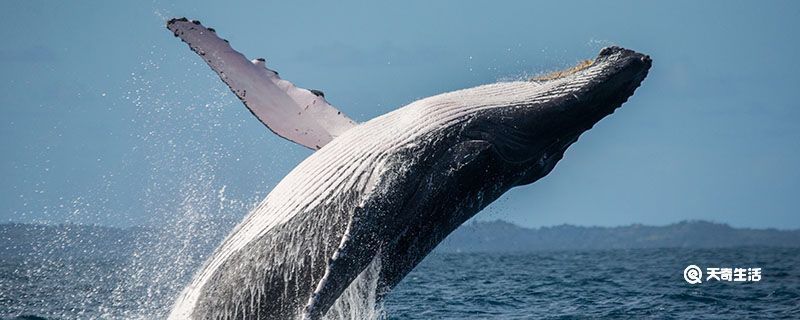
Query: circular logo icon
point(692, 274)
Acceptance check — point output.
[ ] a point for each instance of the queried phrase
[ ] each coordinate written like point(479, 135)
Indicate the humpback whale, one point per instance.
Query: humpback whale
point(376, 197)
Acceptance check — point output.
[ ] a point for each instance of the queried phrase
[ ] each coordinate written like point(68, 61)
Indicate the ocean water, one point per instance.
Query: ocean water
point(638, 284)
point(613, 284)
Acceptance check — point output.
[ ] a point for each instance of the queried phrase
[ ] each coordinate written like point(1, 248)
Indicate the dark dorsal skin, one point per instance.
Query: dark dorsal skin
point(447, 202)
point(391, 189)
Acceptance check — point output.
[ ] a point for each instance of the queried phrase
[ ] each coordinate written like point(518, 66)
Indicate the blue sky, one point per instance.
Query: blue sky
point(106, 118)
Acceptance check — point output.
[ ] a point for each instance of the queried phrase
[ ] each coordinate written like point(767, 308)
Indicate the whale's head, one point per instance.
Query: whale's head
point(531, 131)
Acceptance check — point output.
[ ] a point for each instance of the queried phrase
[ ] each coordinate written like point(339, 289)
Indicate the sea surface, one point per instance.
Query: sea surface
point(613, 284)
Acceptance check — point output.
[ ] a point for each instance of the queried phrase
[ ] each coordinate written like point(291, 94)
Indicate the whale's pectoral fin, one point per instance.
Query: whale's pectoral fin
point(297, 114)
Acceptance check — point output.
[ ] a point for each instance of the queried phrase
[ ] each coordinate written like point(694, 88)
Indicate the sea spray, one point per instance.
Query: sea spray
point(187, 203)
point(360, 299)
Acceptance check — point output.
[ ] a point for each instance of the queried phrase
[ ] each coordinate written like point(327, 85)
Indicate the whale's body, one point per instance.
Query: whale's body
point(382, 194)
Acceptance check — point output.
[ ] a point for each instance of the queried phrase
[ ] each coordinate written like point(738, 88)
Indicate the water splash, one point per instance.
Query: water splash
point(189, 207)
point(360, 299)
point(190, 203)
point(193, 210)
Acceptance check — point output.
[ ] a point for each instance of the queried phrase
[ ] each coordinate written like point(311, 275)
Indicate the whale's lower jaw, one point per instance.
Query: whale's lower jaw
point(355, 217)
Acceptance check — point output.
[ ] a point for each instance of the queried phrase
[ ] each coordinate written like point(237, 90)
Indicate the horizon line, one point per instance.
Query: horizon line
point(467, 224)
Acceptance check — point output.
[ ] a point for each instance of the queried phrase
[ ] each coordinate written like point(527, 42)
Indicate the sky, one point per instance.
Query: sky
point(106, 118)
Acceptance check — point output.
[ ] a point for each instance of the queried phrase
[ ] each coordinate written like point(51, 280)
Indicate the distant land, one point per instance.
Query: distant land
point(18, 239)
point(501, 236)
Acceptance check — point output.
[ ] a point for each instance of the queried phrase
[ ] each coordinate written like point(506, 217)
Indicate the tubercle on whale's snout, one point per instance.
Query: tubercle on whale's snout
point(618, 53)
point(623, 71)
point(608, 51)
